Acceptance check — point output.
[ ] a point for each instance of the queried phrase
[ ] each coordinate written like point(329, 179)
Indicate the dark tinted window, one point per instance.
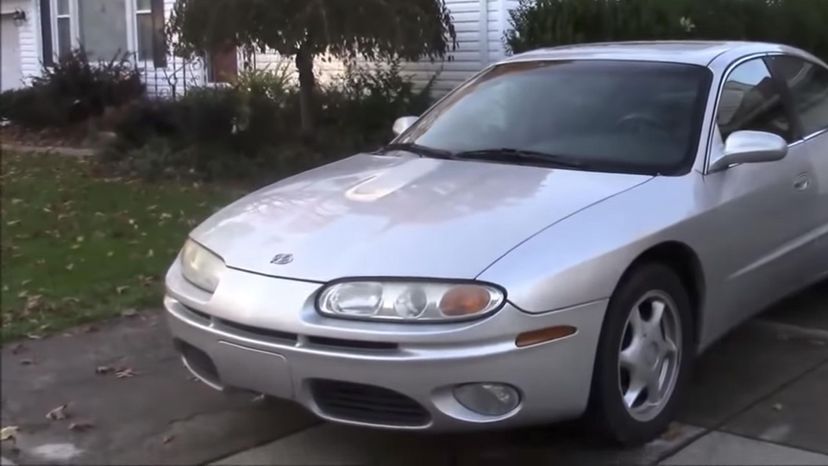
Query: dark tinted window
point(610, 115)
point(751, 100)
point(808, 83)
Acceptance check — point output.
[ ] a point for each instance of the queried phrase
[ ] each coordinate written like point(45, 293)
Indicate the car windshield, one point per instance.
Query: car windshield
point(625, 116)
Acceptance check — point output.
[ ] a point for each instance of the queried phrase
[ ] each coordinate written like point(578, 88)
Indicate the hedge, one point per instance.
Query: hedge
point(544, 23)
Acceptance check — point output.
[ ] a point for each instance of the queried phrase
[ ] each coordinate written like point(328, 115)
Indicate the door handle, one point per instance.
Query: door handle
point(802, 183)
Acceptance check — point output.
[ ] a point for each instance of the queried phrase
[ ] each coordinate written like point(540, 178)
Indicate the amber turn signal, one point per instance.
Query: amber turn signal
point(465, 300)
point(536, 337)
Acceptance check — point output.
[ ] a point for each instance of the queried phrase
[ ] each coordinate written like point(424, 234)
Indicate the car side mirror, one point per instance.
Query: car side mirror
point(750, 147)
point(403, 123)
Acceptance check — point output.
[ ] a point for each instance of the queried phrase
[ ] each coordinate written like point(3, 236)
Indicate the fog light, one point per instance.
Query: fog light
point(489, 399)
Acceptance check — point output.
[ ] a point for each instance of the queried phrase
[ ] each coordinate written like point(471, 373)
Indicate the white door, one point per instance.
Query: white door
point(10, 53)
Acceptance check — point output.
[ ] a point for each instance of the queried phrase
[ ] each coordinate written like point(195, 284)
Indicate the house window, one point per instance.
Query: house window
point(103, 28)
point(223, 65)
point(107, 29)
point(64, 27)
point(145, 29)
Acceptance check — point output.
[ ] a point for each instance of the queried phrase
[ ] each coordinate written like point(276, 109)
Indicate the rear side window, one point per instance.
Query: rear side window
point(751, 100)
point(808, 83)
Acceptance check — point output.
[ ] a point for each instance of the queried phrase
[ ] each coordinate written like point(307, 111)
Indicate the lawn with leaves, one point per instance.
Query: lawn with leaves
point(77, 247)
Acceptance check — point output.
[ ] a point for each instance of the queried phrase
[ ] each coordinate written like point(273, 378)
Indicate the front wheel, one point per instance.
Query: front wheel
point(644, 356)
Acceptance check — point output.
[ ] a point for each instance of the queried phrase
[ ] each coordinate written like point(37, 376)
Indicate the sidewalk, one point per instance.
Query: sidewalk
point(758, 397)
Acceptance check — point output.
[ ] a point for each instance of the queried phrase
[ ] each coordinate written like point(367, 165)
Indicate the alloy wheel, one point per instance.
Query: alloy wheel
point(649, 356)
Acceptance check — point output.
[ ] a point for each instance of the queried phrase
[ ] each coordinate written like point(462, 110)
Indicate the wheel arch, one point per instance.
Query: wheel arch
point(686, 263)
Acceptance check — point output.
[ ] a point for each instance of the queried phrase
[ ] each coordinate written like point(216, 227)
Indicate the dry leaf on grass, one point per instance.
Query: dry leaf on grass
point(121, 289)
point(81, 426)
point(58, 413)
point(126, 373)
point(8, 433)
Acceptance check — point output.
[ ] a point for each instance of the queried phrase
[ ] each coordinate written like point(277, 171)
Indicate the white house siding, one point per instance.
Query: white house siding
point(28, 36)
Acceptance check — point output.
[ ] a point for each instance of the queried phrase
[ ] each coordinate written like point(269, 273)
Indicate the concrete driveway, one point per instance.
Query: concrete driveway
point(758, 397)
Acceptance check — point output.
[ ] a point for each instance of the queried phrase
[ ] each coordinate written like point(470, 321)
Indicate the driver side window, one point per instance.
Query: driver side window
point(751, 100)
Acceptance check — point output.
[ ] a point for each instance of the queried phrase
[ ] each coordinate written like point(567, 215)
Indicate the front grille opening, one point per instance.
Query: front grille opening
point(198, 360)
point(367, 403)
point(352, 344)
point(286, 337)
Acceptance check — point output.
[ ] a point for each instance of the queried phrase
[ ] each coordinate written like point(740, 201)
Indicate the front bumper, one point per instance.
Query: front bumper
point(262, 334)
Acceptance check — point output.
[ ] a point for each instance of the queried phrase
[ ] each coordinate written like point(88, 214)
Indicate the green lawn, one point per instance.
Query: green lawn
point(77, 247)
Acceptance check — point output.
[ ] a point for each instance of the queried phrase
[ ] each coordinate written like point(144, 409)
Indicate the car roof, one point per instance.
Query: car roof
point(690, 52)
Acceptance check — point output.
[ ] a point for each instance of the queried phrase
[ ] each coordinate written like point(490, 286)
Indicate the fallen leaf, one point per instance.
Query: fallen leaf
point(70, 267)
point(150, 253)
point(81, 426)
point(167, 439)
point(16, 201)
point(129, 313)
point(102, 370)
point(121, 289)
point(58, 413)
point(25, 282)
point(777, 407)
point(32, 336)
point(125, 373)
point(13, 223)
point(110, 254)
point(8, 433)
point(79, 239)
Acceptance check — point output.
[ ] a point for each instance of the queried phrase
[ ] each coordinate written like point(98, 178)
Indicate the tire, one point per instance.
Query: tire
point(647, 353)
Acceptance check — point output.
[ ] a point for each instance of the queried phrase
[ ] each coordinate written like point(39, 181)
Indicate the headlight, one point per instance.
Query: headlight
point(410, 301)
point(201, 267)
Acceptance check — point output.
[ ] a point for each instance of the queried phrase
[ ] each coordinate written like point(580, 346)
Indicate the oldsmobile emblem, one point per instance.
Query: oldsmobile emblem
point(282, 259)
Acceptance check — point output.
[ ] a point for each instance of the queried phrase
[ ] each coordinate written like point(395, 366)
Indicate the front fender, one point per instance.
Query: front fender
point(582, 258)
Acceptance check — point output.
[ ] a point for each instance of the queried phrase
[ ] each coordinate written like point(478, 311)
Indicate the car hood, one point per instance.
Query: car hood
point(400, 216)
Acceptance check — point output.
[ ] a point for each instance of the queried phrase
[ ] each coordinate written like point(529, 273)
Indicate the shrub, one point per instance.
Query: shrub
point(542, 23)
point(366, 99)
point(252, 129)
point(72, 91)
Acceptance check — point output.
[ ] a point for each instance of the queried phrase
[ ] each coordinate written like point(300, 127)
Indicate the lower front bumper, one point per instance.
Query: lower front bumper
point(391, 383)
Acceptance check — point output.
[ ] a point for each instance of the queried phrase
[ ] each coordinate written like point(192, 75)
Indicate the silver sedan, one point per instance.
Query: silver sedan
point(558, 237)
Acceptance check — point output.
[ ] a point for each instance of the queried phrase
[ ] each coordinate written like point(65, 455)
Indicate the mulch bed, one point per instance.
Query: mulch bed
point(75, 136)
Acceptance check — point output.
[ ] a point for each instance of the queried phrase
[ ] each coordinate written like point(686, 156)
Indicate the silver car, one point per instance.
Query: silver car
point(558, 237)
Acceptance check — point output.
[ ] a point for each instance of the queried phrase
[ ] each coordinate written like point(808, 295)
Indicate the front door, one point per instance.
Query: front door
point(761, 209)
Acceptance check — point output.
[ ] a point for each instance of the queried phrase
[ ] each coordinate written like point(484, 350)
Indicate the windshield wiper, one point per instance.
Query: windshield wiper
point(521, 156)
point(423, 151)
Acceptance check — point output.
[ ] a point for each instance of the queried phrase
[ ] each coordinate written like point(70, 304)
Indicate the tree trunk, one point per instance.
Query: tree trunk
point(307, 83)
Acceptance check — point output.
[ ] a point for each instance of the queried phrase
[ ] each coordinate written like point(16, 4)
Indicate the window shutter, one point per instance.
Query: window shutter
point(159, 41)
point(46, 32)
